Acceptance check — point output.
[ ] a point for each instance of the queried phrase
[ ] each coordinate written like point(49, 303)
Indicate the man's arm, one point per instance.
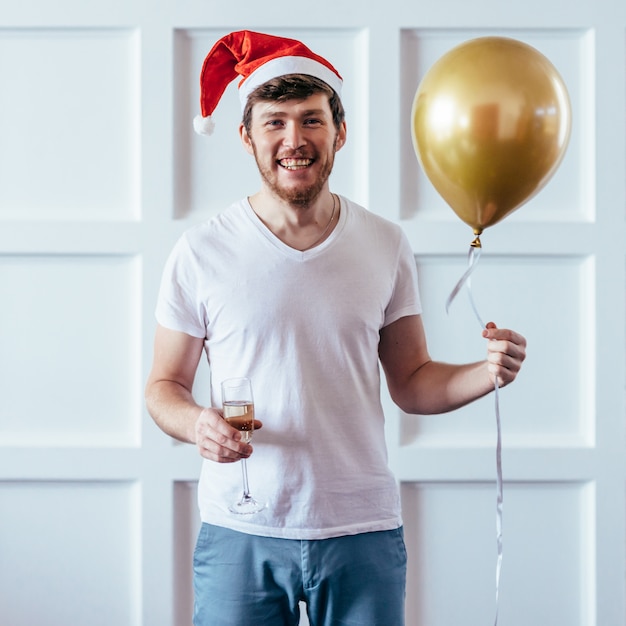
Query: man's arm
point(171, 404)
point(420, 385)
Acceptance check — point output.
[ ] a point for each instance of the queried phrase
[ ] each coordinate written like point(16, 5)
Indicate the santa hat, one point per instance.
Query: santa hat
point(257, 58)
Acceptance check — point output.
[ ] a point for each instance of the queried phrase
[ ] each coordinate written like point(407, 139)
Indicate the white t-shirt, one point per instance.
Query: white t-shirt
point(304, 326)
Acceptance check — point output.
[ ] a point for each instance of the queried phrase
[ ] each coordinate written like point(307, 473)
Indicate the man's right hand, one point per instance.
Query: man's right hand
point(217, 441)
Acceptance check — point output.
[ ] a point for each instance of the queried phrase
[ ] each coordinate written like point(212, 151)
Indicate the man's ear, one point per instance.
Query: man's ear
point(341, 136)
point(245, 139)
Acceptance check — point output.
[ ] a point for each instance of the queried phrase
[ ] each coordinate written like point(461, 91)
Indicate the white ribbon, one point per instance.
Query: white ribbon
point(466, 280)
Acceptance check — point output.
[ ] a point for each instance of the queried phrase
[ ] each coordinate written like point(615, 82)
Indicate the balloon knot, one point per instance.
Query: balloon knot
point(476, 243)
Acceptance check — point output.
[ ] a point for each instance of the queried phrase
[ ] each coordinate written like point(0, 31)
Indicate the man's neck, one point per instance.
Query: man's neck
point(300, 226)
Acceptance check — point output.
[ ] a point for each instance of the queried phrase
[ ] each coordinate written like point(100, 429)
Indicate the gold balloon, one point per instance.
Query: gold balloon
point(491, 121)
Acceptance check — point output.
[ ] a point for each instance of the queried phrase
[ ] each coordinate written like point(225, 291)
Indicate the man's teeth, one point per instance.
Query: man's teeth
point(294, 164)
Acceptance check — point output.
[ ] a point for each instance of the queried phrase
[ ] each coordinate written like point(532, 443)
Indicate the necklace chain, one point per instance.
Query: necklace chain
point(330, 221)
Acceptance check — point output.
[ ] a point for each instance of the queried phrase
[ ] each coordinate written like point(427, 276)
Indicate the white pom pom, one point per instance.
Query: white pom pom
point(203, 125)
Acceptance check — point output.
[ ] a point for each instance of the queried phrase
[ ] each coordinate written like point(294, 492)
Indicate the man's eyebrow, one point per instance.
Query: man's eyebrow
point(272, 113)
point(313, 112)
point(280, 113)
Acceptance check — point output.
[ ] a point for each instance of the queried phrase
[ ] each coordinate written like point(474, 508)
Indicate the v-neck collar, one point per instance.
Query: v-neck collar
point(288, 250)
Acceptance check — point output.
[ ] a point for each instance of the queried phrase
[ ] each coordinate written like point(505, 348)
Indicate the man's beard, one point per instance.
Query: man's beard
point(300, 196)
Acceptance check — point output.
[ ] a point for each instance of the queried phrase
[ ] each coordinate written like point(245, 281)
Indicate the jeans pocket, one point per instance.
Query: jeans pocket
point(202, 543)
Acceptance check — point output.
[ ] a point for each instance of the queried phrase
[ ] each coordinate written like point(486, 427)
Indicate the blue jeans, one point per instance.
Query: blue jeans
point(246, 580)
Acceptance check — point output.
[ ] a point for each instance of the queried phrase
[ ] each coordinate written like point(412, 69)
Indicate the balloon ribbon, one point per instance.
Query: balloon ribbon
point(466, 280)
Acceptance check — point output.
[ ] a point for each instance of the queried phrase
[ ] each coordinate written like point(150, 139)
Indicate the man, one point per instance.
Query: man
point(304, 292)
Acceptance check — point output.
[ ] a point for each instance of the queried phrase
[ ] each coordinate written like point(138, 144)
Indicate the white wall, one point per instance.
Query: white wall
point(100, 172)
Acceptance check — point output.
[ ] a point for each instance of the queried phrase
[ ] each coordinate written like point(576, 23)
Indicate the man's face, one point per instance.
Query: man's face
point(294, 144)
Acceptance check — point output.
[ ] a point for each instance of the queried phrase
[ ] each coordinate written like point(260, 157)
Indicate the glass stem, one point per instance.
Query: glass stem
point(244, 473)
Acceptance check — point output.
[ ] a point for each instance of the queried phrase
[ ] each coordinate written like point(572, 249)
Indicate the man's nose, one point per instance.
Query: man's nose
point(294, 137)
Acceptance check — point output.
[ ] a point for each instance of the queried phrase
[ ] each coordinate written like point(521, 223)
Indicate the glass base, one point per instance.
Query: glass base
point(246, 506)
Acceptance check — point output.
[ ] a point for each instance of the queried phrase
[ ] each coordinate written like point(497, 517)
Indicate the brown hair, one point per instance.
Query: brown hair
point(293, 87)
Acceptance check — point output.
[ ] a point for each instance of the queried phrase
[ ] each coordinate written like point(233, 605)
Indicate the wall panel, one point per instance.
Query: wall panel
point(100, 172)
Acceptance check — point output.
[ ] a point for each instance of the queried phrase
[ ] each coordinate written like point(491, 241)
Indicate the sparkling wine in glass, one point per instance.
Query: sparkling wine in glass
point(238, 408)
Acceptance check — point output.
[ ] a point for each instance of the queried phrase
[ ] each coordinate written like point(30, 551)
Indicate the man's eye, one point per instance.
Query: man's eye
point(274, 123)
point(312, 122)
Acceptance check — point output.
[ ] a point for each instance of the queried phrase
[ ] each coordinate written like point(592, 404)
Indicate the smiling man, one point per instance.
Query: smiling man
point(306, 293)
point(299, 136)
point(294, 142)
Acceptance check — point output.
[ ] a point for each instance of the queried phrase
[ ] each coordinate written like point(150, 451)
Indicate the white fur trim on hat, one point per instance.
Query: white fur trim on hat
point(282, 66)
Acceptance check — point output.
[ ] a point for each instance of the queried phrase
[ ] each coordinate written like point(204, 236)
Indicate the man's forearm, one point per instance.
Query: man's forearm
point(174, 409)
point(438, 387)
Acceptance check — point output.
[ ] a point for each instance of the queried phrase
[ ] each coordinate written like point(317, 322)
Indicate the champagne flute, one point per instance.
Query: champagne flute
point(238, 407)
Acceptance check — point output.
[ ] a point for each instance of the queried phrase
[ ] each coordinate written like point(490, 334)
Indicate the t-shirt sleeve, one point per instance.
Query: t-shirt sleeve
point(405, 299)
point(178, 306)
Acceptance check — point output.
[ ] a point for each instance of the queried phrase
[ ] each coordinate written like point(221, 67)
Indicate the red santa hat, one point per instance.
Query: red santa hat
point(257, 58)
